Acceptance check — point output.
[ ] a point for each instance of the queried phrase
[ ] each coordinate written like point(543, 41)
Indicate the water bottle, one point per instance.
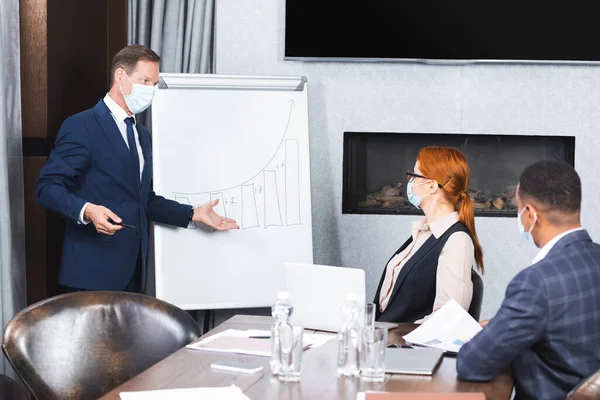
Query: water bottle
point(348, 338)
point(281, 312)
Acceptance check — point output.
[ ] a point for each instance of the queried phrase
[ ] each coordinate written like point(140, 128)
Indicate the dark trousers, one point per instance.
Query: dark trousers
point(133, 286)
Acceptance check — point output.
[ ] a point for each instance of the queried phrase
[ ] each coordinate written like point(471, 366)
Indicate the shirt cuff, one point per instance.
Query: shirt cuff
point(82, 220)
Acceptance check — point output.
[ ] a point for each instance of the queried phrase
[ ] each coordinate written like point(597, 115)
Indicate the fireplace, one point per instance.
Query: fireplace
point(375, 166)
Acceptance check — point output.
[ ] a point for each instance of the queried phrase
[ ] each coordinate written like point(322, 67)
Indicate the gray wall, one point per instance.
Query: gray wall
point(404, 97)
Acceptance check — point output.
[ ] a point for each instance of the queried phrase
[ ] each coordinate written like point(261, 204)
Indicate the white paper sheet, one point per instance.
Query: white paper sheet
point(205, 393)
point(448, 329)
point(311, 340)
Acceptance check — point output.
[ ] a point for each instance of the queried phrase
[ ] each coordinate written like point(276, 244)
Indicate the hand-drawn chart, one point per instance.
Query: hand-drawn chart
point(270, 199)
point(244, 141)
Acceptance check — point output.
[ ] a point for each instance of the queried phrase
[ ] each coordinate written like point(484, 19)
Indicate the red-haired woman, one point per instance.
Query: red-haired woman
point(434, 265)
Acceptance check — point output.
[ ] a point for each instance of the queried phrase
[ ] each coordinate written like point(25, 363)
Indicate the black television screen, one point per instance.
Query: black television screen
point(486, 30)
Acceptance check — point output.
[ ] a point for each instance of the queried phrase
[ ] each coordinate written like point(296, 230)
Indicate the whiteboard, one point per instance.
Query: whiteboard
point(242, 140)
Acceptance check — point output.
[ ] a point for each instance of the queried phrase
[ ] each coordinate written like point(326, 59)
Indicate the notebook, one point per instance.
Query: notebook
point(412, 361)
point(251, 341)
point(420, 396)
point(206, 393)
point(228, 344)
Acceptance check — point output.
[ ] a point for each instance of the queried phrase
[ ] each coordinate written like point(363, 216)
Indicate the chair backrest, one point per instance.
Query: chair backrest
point(588, 389)
point(82, 345)
point(477, 299)
point(10, 390)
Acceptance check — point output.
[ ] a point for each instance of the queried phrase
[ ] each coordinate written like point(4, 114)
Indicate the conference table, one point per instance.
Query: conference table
point(191, 368)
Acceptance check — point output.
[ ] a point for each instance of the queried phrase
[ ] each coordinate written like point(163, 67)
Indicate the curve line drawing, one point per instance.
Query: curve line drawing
point(287, 125)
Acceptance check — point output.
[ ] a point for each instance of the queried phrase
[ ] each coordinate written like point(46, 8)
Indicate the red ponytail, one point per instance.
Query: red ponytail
point(448, 166)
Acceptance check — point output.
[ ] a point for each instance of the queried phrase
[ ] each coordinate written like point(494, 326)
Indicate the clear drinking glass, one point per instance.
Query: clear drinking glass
point(291, 354)
point(369, 317)
point(367, 331)
point(373, 356)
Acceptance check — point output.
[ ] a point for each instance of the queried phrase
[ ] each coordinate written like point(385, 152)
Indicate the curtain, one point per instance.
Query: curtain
point(12, 207)
point(180, 31)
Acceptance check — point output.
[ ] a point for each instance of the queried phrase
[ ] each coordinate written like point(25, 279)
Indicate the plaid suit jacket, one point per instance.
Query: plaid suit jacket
point(548, 327)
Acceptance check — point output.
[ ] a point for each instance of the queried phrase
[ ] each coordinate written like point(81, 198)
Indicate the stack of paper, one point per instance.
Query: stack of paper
point(206, 393)
point(252, 341)
point(447, 329)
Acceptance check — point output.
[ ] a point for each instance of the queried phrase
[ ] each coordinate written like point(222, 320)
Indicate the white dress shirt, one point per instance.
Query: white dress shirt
point(119, 116)
point(548, 246)
point(453, 278)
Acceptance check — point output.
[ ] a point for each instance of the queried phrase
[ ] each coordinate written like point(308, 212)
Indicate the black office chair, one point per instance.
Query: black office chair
point(587, 389)
point(10, 390)
point(82, 345)
point(475, 307)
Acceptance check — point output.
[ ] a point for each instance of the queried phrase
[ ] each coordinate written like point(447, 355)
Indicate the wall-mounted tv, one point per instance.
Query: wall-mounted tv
point(443, 30)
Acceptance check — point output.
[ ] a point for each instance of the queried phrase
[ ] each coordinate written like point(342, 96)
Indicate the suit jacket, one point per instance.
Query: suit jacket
point(91, 162)
point(413, 293)
point(548, 327)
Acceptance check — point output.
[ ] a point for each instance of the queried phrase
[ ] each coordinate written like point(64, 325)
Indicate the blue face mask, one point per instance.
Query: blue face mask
point(140, 97)
point(526, 235)
point(414, 199)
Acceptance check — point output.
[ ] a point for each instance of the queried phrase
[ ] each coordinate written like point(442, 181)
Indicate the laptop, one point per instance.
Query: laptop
point(317, 293)
point(412, 361)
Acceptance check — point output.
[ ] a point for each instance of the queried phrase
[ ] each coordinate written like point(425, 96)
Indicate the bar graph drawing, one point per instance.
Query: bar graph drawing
point(232, 202)
point(270, 199)
point(272, 213)
point(186, 200)
point(292, 183)
point(220, 207)
point(249, 210)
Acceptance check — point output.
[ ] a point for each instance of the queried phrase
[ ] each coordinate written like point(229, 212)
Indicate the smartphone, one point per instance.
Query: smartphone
point(236, 367)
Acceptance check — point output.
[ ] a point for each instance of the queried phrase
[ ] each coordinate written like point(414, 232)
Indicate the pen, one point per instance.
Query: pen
point(121, 223)
point(259, 337)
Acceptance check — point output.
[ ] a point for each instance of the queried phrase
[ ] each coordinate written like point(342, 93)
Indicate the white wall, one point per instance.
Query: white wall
point(404, 97)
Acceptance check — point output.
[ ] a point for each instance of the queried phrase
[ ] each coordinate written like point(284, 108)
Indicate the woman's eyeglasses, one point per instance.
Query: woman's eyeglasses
point(411, 175)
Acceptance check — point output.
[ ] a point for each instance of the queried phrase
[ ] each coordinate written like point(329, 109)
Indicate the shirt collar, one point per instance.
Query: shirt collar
point(437, 227)
point(548, 246)
point(117, 112)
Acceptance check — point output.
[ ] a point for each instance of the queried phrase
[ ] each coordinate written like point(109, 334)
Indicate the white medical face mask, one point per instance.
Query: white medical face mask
point(413, 198)
point(140, 98)
point(526, 235)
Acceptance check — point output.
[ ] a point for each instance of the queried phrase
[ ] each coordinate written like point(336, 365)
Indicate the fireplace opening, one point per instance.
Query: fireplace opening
point(375, 166)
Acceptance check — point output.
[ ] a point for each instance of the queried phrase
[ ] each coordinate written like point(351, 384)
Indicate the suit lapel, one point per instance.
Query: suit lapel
point(107, 122)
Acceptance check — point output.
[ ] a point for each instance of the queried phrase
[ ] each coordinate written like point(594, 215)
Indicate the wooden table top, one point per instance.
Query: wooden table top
point(191, 368)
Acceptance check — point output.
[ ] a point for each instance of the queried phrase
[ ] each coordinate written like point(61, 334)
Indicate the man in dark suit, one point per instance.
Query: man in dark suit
point(548, 327)
point(99, 177)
